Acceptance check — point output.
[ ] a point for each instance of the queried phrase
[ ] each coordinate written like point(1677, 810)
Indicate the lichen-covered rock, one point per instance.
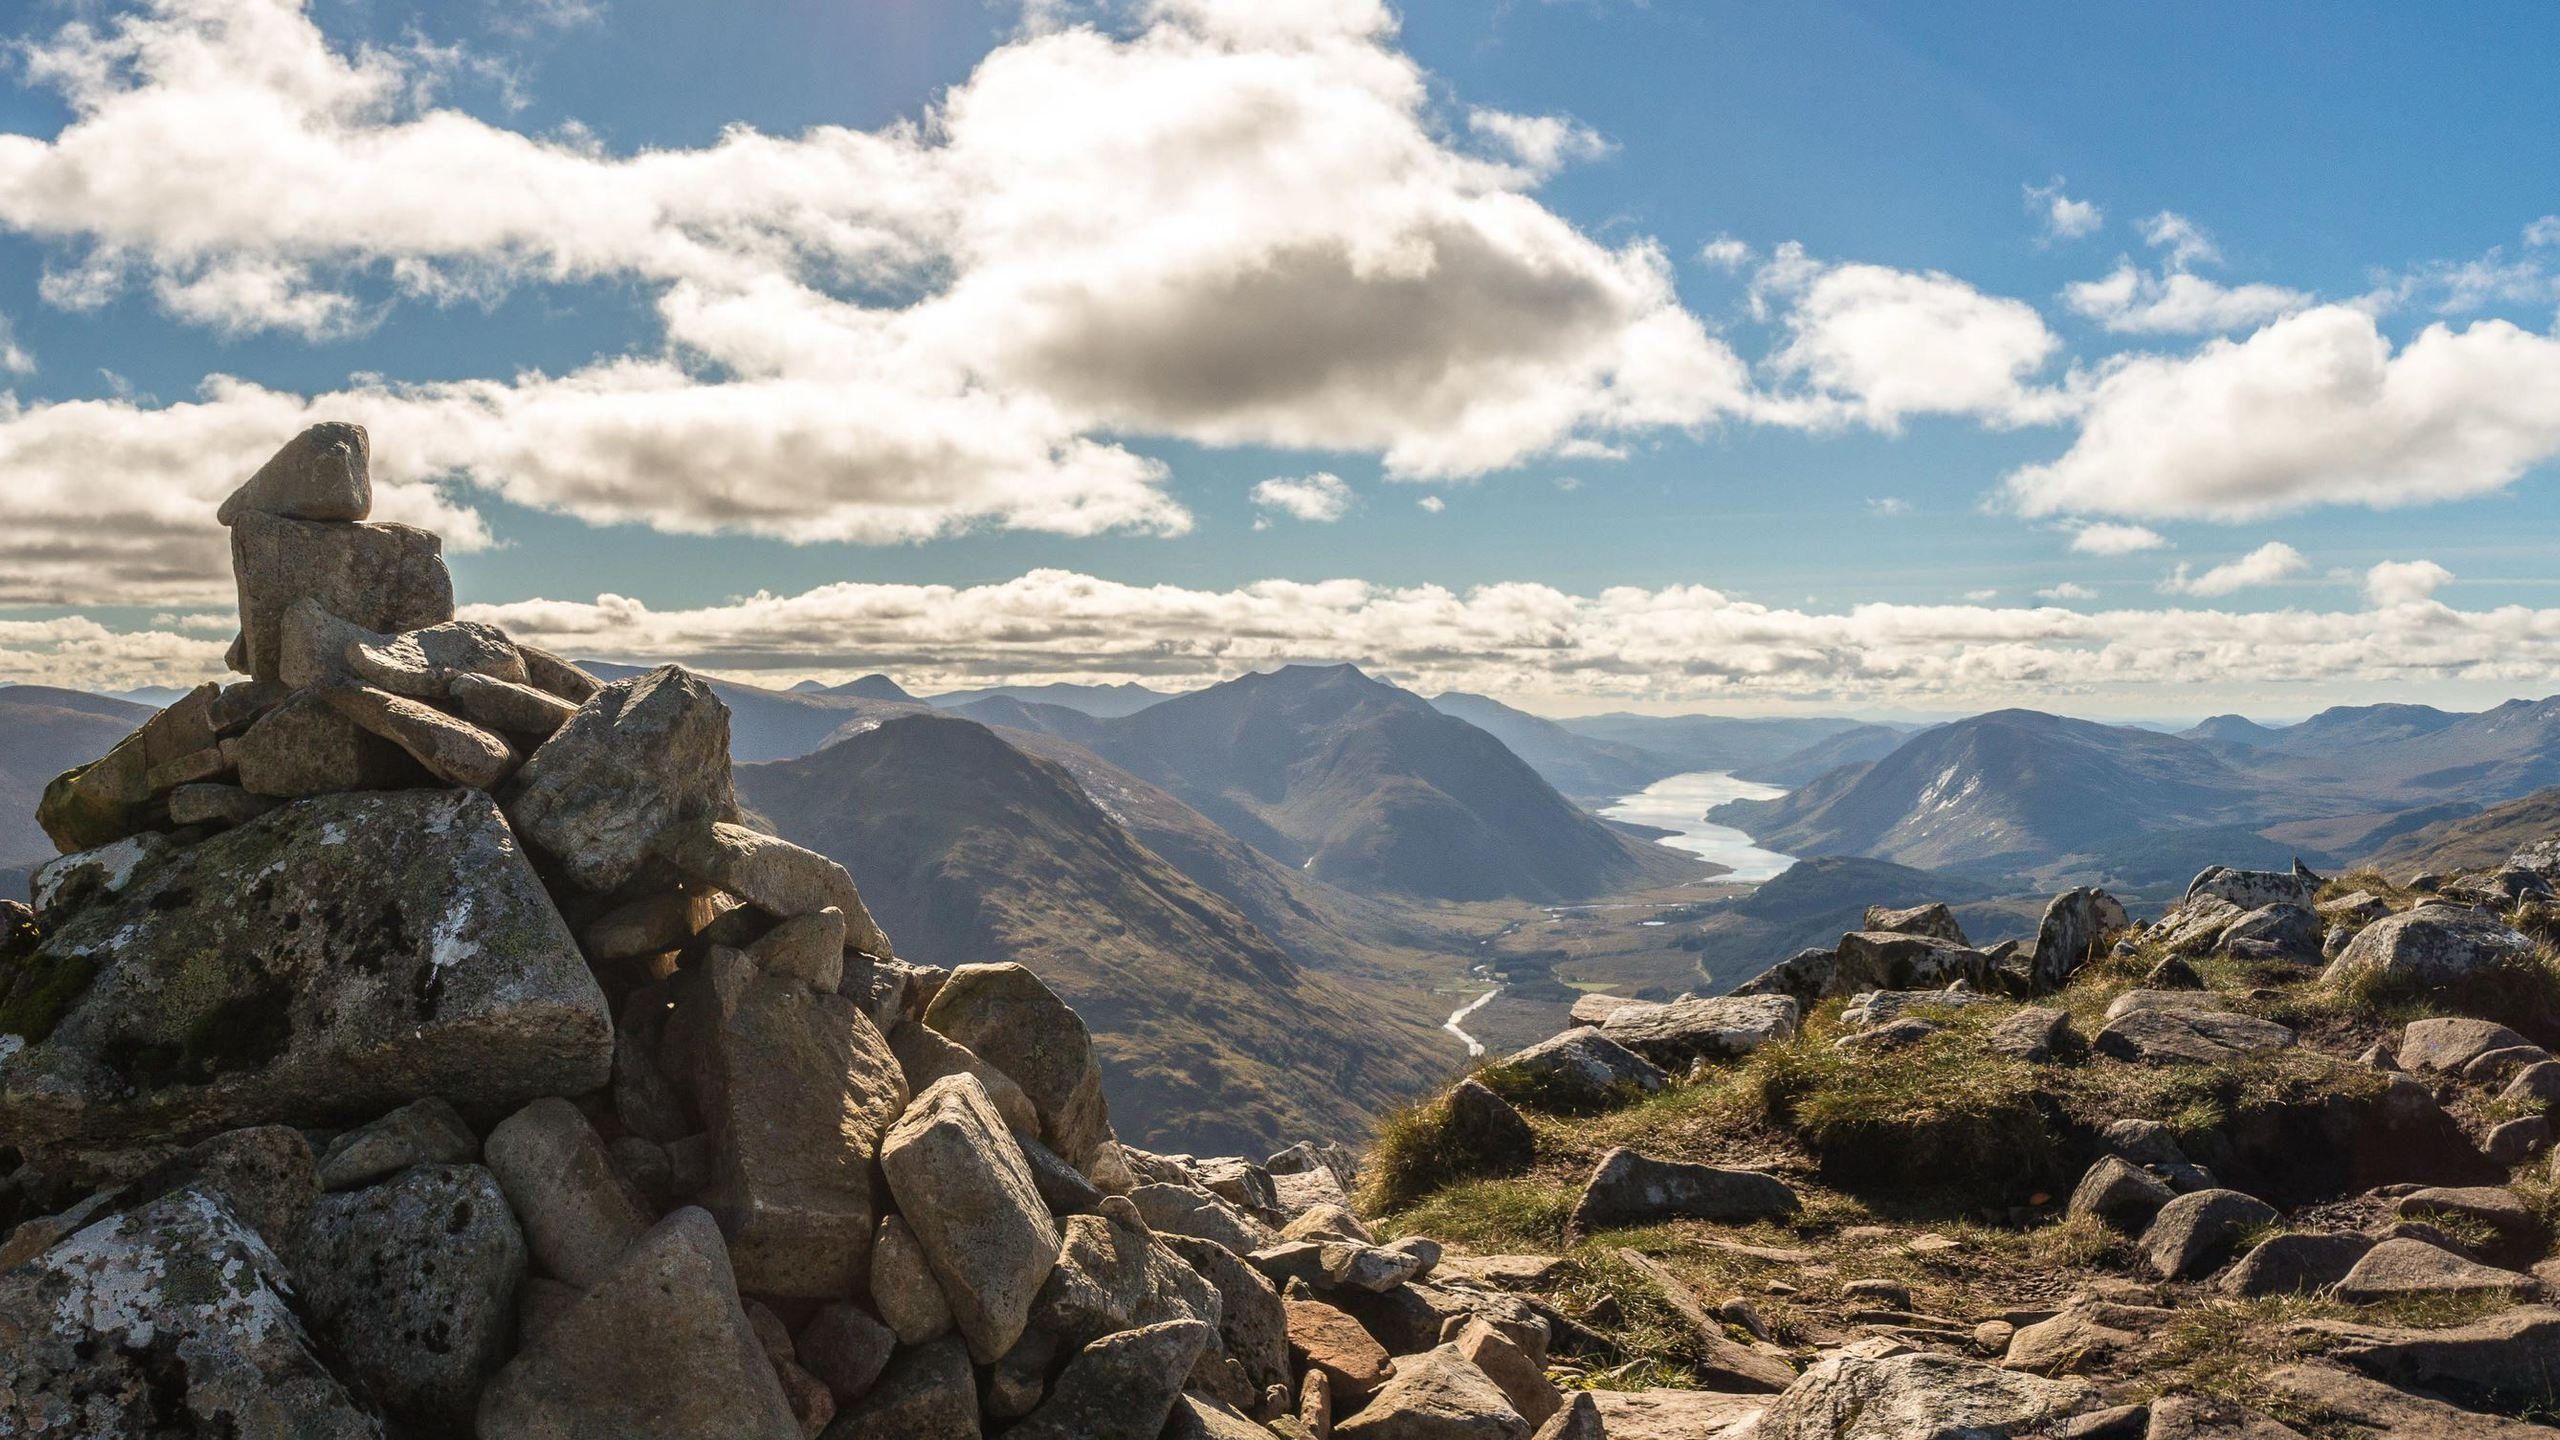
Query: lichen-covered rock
point(387, 578)
point(642, 757)
point(966, 1192)
point(660, 1349)
point(1719, 1028)
point(329, 960)
point(412, 1285)
point(1009, 1019)
point(2075, 923)
point(1918, 1396)
point(2159, 1035)
point(1584, 1067)
point(1933, 919)
point(1631, 1189)
point(2255, 889)
point(798, 1088)
point(2287, 933)
point(172, 1319)
point(2429, 946)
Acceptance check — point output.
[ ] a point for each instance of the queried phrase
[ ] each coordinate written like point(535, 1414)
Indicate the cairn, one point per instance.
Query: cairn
point(414, 1039)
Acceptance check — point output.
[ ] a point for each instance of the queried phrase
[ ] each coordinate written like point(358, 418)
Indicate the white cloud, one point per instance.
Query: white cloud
point(1541, 143)
point(2062, 217)
point(1686, 643)
point(15, 359)
point(2545, 231)
point(1875, 345)
point(1231, 224)
point(1978, 596)
point(2265, 565)
point(2185, 240)
point(2313, 409)
point(1431, 504)
point(1888, 506)
point(2404, 582)
point(1726, 253)
point(2067, 590)
point(1319, 498)
point(2131, 301)
point(2107, 538)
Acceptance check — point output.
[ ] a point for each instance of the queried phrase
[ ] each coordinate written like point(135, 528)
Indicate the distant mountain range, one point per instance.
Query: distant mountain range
point(869, 687)
point(43, 732)
point(970, 850)
point(1107, 702)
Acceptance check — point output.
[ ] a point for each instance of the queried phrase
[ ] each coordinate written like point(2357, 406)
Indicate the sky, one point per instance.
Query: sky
point(2136, 361)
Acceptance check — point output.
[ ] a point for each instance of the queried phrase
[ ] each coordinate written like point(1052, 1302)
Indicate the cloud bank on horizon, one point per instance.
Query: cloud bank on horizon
point(1204, 221)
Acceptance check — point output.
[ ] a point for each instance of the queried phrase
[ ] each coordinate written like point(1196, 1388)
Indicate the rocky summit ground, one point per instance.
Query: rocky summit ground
point(413, 1041)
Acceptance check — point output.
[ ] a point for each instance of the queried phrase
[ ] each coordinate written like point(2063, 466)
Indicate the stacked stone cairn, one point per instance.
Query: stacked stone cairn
point(414, 1040)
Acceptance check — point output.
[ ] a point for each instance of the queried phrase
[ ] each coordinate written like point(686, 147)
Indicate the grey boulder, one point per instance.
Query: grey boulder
point(324, 473)
point(641, 758)
point(966, 1192)
point(660, 1349)
point(1721, 1028)
point(1584, 1067)
point(386, 578)
point(412, 1285)
point(1915, 1396)
point(332, 958)
point(2430, 946)
point(1009, 1019)
point(1627, 1188)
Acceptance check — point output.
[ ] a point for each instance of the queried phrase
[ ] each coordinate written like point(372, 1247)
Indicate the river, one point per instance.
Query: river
point(1680, 804)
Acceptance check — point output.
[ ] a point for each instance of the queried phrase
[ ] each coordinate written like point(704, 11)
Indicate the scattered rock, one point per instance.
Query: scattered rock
point(2430, 946)
point(1933, 919)
point(2335, 1394)
point(2188, 1037)
point(2255, 889)
point(2281, 932)
point(927, 1393)
point(2119, 1194)
point(1683, 1031)
point(424, 1132)
point(1008, 1018)
point(2035, 1033)
point(2508, 1357)
point(1915, 1396)
point(2075, 924)
point(2447, 1045)
point(2405, 1269)
point(1583, 1068)
point(1627, 1188)
point(1120, 1387)
point(642, 757)
point(1326, 1339)
point(1436, 1395)
point(2194, 1233)
point(1484, 1127)
point(2295, 1264)
point(845, 1348)
point(412, 1286)
point(967, 1194)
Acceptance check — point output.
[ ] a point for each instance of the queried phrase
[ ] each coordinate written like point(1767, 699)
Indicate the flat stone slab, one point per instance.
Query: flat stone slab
point(327, 961)
point(1721, 1028)
point(2188, 1037)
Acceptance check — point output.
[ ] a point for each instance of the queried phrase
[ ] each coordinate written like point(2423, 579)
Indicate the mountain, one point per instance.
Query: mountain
point(2238, 731)
point(1711, 742)
point(2480, 841)
point(1039, 719)
point(1365, 786)
point(2013, 787)
point(43, 732)
point(869, 687)
point(1578, 765)
point(1212, 1035)
point(1854, 746)
point(2409, 755)
point(1105, 702)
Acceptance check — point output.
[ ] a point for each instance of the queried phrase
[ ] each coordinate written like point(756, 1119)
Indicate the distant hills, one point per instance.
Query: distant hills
point(43, 732)
point(1366, 786)
point(2472, 842)
point(1579, 765)
point(868, 687)
point(969, 850)
point(1107, 702)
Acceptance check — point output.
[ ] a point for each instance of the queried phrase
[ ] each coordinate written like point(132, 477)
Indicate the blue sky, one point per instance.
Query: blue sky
point(1784, 472)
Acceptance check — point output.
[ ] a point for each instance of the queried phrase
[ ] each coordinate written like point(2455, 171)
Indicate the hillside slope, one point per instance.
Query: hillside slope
point(1578, 765)
point(970, 850)
point(1366, 786)
point(43, 732)
point(2482, 841)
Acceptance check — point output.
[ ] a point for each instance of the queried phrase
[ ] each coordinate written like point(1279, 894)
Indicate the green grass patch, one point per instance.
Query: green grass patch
point(1419, 1149)
point(1493, 1216)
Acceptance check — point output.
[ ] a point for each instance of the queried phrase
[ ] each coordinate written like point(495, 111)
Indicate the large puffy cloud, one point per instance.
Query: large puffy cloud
point(1876, 344)
point(1231, 224)
point(2313, 409)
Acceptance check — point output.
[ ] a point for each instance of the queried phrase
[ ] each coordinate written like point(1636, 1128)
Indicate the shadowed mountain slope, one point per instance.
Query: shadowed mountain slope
point(1855, 746)
point(2482, 841)
point(1711, 742)
point(1103, 702)
point(1212, 1035)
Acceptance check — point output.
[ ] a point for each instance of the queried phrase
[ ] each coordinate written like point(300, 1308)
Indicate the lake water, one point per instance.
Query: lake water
point(1680, 804)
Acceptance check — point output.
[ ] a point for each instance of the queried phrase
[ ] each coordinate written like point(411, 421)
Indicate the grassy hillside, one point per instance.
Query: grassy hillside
point(1213, 1036)
point(2481, 841)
